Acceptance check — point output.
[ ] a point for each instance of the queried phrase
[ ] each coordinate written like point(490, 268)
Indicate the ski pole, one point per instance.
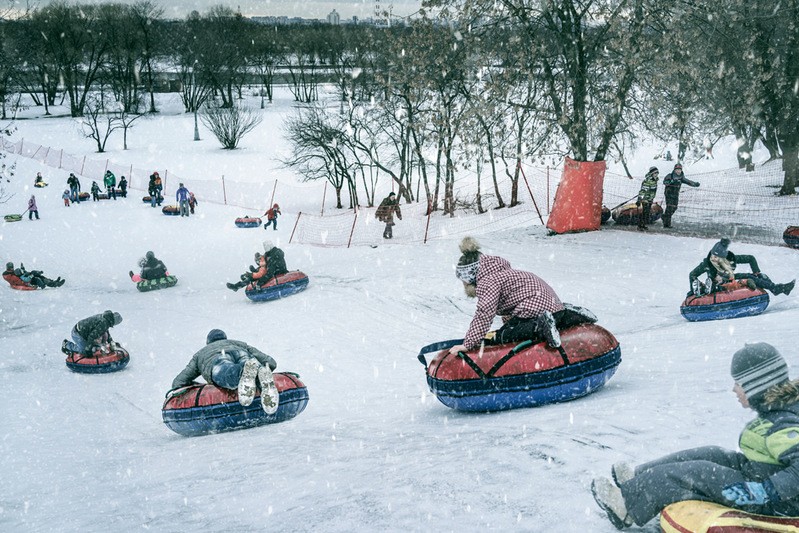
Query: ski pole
point(624, 202)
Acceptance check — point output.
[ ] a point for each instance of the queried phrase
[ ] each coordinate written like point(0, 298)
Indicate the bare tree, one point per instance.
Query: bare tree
point(97, 124)
point(230, 124)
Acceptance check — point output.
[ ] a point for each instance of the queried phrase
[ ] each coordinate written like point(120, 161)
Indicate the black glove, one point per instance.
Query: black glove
point(253, 269)
point(638, 202)
point(246, 277)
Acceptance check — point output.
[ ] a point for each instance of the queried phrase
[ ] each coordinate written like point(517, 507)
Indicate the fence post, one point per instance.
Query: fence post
point(166, 173)
point(82, 165)
point(324, 195)
point(60, 158)
point(429, 214)
point(531, 193)
point(224, 193)
point(295, 226)
point(354, 220)
point(272, 200)
point(547, 189)
point(106, 167)
point(46, 154)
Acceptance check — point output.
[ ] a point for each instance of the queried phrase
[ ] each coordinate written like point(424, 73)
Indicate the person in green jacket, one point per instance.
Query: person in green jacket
point(646, 195)
point(762, 478)
point(110, 182)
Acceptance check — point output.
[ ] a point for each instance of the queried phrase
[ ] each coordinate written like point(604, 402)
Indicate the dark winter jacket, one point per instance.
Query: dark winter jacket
point(501, 290)
point(73, 182)
point(94, 327)
point(123, 184)
point(386, 210)
point(202, 363)
point(153, 268)
point(773, 439)
point(272, 264)
point(672, 183)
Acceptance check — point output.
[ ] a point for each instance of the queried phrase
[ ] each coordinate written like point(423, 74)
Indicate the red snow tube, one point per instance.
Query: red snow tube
point(248, 222)
point(507, 376)
point(629, 214)
point(170, 210)
point(734, 300)
point(203, 409)
point(17, 283)
point(99, 362)
point(791, 236)
point(578, 199)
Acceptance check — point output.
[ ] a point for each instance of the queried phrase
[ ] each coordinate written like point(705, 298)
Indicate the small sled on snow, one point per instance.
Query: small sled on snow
point(99, 362)
point(147, 285)
point(791, 236)
point(12, 218)
point(733, 300)
point(707, 517)
point(248, 222)
point(170, 210)
point(278, 287)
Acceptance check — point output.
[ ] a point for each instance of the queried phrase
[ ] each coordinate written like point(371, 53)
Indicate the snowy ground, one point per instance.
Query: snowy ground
point(373, 451)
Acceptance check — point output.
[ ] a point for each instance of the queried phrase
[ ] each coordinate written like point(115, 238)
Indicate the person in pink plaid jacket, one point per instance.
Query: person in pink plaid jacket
point(528, 306)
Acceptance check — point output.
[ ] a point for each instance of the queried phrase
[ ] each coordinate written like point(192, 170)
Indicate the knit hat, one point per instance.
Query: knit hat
point(391, 194)
point(758, 367)
point(268, 245)
point(469, 262)
point(678, 165)
point(720, 248)
point(111, 316)
point(9, 266)
point(215, 335)
point(652, 170)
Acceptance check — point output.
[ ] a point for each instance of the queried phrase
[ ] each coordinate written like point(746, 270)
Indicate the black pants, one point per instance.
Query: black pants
point(33, 212)
point(643, 218)
point(387, 233)
point(521, 329)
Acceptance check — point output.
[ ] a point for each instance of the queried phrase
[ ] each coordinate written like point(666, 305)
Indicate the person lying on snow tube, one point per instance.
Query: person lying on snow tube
point(762, 478)
point(528, 305)
point(17, 277)
point(91, 334)
point(720, 265)
point(272, 264)
point(232, 365)
point(151, 268)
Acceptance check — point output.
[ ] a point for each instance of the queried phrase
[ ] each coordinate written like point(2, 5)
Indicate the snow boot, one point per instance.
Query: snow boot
point(247, 382)
point(582, 312)
point(622, 472)
point(232, 286)
point(130, 274)
point(609, 498)
point(64, 347)
point(269, 394)
point(548, 330)
point(750, 283)
point(786, 288)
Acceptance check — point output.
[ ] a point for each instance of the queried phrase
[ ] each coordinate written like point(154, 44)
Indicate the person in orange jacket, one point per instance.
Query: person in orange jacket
point(271, 216)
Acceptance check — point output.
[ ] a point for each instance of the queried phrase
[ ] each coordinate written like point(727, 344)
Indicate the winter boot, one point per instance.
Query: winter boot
point(609, 498)
point(622, 472)
point(247, 382)
point(232, 286)
point(582, 312)
point(548, 330)
point(130, 274)
point(269, 394)
point(786, 288)
point(750, 284)
point(64, 347)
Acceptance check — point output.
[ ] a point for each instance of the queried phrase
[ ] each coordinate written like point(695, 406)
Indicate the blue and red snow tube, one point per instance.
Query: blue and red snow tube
point(509, 376)
point(204, 408)
point(732, 301)
point(99, 362)
point(791, 236)
point(278, 287)
point(248, 222)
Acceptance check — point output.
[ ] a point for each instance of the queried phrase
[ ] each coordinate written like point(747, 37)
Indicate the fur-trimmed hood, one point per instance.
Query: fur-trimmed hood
point(782, 395)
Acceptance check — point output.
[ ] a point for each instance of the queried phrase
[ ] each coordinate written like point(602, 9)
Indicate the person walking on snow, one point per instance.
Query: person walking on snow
point(110, 182)
point(32, 209)
point(91, 334)
point(762, 478)
point(74, 188)
point(182, 197)
point(385, 213)
point(65, 197)
point(233, 365)
point(271, 216)
point(192, 202)
point(528, 306)
point(123, 187)
point(95, 192)
point(646, 195)
point(671, 187)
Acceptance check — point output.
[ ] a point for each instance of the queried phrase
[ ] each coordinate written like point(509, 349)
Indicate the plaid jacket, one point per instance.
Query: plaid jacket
point(504, 291)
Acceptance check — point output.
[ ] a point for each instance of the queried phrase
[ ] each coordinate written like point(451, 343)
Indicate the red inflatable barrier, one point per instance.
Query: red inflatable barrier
point(578, 200)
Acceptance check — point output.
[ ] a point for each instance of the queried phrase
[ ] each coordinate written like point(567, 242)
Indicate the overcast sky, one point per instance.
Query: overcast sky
point(292, 8)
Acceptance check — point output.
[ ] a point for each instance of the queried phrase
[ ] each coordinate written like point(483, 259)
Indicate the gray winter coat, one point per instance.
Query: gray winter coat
point(202, 362)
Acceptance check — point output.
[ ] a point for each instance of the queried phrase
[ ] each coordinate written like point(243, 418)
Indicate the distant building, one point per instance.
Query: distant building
point(333, 18)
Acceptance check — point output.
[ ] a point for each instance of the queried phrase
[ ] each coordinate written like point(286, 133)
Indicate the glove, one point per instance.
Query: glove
point(697, 184)
point(751, 493)
point(638, 202)
point(253, 269)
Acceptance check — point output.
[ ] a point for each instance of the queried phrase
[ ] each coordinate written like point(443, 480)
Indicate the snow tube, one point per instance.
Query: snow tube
point(605, 215)
point(146, 199)
point(12, 218)
point(84, 196)
point(248, 222)
point(707, 517)
point(733, 301)
point(508, 376)
point(203, 408)
point(103, 196)
point(147, 285)
point(170, 210)
point(17, 283)
point(791, 236)
point(629, 214)
point(40, 184)
point(99, 362)
point(278, 287)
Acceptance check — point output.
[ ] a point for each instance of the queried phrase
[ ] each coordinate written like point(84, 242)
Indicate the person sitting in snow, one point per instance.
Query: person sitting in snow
point(91, 334)
point(39, 181)
point(529, 307)
point(271, 264)
point(720, 265)
point(19, 277)
point(271, 216)
point(233, 365)
point(151, 268)
point(95, 192)
point(762, 478)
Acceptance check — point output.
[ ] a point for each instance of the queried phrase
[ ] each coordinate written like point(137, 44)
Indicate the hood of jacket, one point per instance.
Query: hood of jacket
point(781, 396)
point(490, 265)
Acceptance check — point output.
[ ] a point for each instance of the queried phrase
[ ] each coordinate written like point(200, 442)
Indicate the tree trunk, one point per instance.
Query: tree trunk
point(790, 164)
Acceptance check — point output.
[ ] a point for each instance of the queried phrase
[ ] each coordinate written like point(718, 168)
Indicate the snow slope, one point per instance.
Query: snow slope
point(373, 451)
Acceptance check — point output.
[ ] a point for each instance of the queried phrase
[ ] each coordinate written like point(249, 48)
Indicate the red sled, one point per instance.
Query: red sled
point(99, 362)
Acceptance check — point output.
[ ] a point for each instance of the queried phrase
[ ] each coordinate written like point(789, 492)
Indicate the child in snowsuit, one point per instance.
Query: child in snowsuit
point(762, 478)
point(123, 187)
point(151, 268)
point(18, 277)
point(385, 213)
point(65, 197)
point(232, 365)
point(32, 209)
point(91, 334)
point(192, 202)
point(671, 186)
point(95, 191)
point(527, 304)
point(646, 195)
point(271, 216)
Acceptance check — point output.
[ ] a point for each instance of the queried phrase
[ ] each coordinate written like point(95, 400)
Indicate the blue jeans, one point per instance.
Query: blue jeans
point(226, 372)
point(153, 197)
point(78, 343)
point(74, 194)
point(184, 208)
